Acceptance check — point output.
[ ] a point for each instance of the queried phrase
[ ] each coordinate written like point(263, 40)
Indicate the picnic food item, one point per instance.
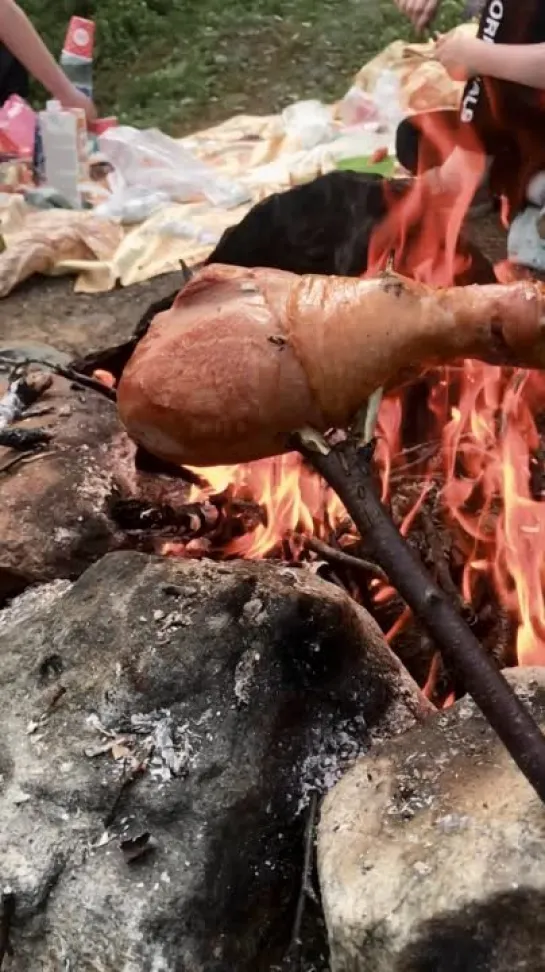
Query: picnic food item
point(245, 357)
point(77, 54)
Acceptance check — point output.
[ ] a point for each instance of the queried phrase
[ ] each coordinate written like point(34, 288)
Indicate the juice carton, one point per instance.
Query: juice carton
point(77, 54)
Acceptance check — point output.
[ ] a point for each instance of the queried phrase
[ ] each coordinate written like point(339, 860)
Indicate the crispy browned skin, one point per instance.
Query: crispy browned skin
point(246, 357)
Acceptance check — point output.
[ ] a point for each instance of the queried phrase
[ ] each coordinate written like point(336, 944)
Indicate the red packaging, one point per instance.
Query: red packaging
point(17, 127)
point(102, 125)
point(8, 149)
point(80, 38)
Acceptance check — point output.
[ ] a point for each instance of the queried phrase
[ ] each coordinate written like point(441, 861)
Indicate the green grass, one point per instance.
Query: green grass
point(181, 64)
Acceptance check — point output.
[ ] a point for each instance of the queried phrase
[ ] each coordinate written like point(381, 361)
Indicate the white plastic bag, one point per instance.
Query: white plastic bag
point(309, 122)
point(152, 161)
point(387, 97)
point(130, 205)
point(525, 245)
point(358, 107)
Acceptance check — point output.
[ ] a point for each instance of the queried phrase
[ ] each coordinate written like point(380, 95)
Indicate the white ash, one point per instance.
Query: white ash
point(246, 673)
point(169, 623)
point(167, 750)
point(173, 748)
point(453, 822)
point(32, 601)
point(334, 751)
point(97, 486)
point(254, 611)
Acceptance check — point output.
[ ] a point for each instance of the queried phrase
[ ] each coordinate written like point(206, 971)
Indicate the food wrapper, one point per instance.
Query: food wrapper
point(17, 128)
point(425, 85)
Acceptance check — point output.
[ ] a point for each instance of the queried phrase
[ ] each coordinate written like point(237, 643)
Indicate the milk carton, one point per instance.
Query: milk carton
point(64, 140)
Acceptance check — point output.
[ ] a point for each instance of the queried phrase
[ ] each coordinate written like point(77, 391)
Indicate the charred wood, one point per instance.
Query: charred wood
point(24, 440)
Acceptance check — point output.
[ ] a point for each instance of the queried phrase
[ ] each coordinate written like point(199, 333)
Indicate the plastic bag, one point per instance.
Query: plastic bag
point(149, 160)
point(525, 244)
point(358, 108)
point(387, 97)
point(130, 204)
point(309, 122)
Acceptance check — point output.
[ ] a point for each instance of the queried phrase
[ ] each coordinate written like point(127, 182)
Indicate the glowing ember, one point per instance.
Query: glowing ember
point(293, 499)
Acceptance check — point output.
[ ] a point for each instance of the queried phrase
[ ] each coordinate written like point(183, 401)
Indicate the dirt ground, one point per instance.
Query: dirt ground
point(46, 311)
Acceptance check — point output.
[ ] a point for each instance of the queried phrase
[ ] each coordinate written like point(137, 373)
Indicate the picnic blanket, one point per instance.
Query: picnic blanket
point(261, 153)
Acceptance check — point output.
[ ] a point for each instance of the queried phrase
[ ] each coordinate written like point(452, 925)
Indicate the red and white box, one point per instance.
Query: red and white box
point(80, 38)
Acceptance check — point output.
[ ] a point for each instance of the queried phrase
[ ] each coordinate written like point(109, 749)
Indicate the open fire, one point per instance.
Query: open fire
point(478, 444)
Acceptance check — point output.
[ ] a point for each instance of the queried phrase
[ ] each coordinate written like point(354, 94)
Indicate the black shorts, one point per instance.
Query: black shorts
point(14, 77)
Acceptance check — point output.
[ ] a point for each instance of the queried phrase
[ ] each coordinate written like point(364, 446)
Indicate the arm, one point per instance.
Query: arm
point(520, 63)
point(419, 12)
point(465, 56)
point(21, 39)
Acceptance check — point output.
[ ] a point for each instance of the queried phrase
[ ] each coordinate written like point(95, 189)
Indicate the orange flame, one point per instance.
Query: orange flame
point(483, 415)
point(482, 418)
point(292, 498)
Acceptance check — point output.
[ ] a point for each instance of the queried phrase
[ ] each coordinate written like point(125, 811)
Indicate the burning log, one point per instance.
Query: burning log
point(192, 520)
point(23, 440)
point(246, 357)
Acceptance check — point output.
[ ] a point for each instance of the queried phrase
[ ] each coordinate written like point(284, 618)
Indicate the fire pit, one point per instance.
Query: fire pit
point(234, 635)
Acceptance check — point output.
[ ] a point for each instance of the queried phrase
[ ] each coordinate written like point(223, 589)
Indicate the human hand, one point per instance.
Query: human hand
point(455, 51)
point(419, 12)
point(76, 99)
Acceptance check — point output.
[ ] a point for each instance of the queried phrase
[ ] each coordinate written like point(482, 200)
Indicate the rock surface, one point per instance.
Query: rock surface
point(54, 518)
point(222, 694)
point(57, 512)
point(47, 311)
point(431, 852)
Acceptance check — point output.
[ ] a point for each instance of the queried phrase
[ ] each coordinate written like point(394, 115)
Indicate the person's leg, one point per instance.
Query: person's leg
point(13, 76)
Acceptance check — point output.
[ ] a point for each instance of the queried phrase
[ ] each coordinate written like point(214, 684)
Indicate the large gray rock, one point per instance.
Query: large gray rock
point(54, 519)
point(431, 852)
point(56, 514)
point(236, 689)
